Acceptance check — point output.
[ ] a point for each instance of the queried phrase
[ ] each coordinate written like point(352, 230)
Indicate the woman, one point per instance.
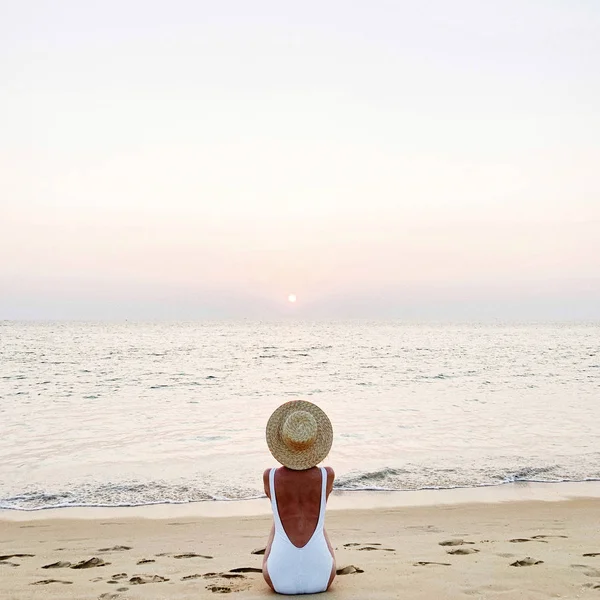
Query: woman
point(299, 558)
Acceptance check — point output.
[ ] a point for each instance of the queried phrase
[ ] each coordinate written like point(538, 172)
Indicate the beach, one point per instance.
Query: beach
point(540, 542)
point(466, 457)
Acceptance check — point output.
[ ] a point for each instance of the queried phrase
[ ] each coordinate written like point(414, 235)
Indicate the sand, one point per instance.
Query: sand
point(525, 549)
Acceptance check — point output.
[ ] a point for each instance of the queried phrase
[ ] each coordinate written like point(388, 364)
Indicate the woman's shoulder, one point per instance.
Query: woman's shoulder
point(330, 473)
point(330, 479)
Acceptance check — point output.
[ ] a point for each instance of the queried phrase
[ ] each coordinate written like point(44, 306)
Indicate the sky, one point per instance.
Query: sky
point(382, 159)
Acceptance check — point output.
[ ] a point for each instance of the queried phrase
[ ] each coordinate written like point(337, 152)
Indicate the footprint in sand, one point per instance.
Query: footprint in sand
point(587, 570)
point(462, 551)
point(143, 579)
point(245, 570)
point(9, 564)
point(368, 547)
point(61, 564)
point(523, 540)
point(9, 556)
point(228, 586)
point(259, 551)
point(539, 537)
point(190, 555)
point(48, 581)
point(225, 583)
point(424, 563)
point(90, 563)
point(349, 570)
point(526, 562)
point(115, 549)
point(145, 561)
point(592, 554)
point(457, 542)
point(108, 596)
point(592, 586)
point(425, 528)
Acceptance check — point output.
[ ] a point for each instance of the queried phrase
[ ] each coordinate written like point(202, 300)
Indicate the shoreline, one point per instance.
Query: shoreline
point(338, 501)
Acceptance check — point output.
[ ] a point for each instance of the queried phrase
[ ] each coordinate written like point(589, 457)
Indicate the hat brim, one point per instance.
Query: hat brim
point(299, 460)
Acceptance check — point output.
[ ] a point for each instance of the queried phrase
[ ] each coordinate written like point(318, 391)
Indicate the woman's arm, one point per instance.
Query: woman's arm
point(271, 535)
point(330, 480)
point(266, 483)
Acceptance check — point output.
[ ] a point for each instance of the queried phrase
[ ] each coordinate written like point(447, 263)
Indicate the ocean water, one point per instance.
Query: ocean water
point(140, 413)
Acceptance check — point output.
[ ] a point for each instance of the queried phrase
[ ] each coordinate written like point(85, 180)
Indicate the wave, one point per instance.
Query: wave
point(369, 479)
point(422, 478)
point(122, 494)
point(131, 494)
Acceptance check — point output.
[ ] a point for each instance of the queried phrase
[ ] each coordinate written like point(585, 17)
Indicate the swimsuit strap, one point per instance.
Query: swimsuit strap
point(321, 520)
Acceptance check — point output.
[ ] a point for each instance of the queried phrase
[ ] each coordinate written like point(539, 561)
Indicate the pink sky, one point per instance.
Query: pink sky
point(377, 160)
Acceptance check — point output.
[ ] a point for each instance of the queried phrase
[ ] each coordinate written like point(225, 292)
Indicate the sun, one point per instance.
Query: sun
point(292, 298)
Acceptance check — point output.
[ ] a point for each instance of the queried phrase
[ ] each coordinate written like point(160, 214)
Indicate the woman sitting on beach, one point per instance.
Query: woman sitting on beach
point(299, 558)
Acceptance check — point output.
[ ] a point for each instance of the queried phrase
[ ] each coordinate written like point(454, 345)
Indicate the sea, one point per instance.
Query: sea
point(136, 413)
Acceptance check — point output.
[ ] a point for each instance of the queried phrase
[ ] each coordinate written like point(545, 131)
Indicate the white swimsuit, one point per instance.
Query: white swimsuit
point(296, 570)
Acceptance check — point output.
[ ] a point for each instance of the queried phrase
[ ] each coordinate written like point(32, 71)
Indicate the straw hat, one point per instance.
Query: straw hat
point(299, 435)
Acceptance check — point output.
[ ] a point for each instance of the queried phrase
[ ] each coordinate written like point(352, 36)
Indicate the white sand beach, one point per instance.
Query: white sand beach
point(528, 549)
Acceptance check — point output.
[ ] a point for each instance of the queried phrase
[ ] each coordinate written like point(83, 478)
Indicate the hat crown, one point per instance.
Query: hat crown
point(299, 430)
point(299, 435)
